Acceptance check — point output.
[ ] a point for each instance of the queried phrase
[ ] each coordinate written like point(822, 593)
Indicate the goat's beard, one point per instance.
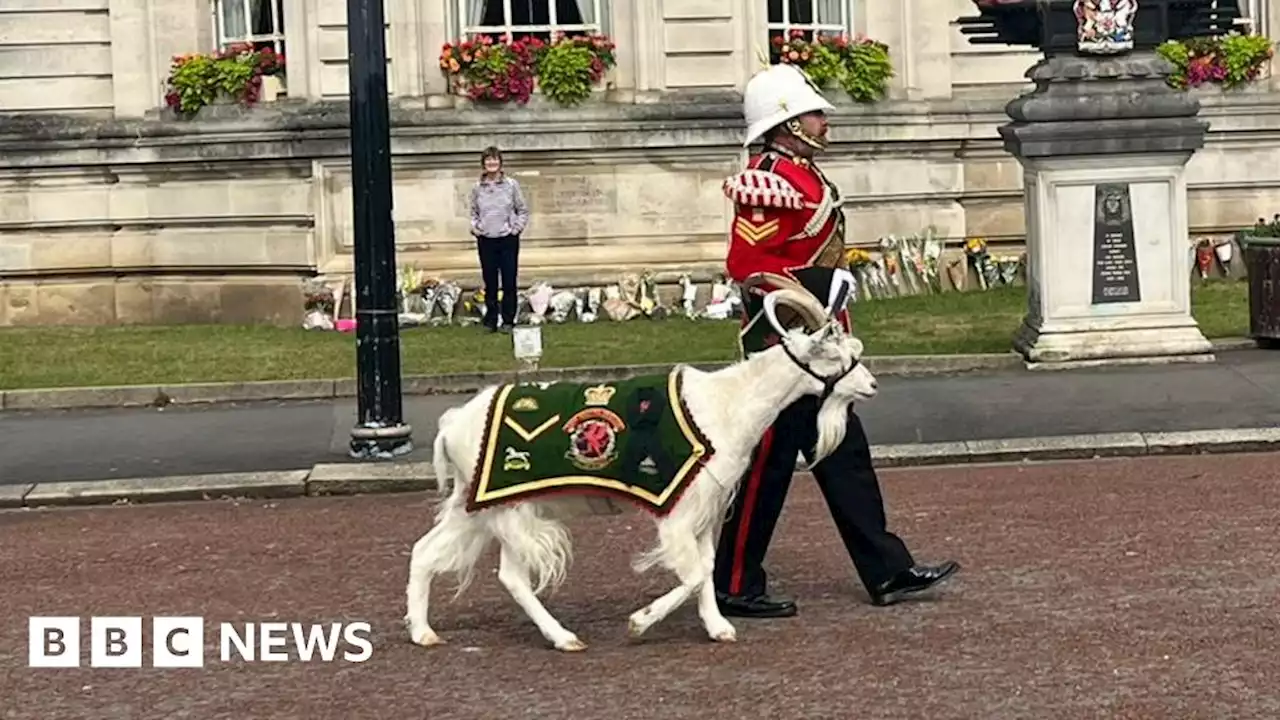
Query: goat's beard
point(833, 421)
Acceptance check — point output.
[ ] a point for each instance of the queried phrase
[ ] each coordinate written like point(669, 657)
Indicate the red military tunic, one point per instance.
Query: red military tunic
point(787, 216)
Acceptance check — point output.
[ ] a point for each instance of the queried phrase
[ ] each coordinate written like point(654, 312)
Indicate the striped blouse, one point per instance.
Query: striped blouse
point(498, 208)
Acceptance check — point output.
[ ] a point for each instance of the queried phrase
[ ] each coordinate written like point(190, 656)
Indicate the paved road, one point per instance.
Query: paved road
point(1101, 589)
point(1241, 390)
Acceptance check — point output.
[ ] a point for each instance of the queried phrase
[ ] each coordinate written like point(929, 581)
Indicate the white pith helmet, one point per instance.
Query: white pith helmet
point(775, 95)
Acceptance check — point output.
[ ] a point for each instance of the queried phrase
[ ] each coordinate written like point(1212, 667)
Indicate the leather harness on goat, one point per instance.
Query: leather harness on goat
point(828, 383)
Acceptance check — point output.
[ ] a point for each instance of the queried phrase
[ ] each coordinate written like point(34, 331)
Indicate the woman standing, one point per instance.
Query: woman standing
point(498, 216)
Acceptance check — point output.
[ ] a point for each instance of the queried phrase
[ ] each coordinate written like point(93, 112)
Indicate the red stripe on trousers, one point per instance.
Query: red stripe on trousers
point(748, 507)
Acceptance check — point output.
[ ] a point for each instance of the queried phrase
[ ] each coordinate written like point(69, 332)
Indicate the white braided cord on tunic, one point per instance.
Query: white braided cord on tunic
point(763, 189)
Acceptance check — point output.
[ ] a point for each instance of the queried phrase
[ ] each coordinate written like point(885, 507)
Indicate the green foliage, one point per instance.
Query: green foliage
point(1229, 61)
point(566, 70)
point(1266, 229)
point(868, 71)
point(861, 67)
point(570, 67)
point(198, 79)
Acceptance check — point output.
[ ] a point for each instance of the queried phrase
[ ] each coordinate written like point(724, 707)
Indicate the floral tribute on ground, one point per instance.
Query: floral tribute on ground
point(893, 267)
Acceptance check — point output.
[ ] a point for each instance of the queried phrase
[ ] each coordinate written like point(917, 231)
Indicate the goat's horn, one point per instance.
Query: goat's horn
point(807, 306)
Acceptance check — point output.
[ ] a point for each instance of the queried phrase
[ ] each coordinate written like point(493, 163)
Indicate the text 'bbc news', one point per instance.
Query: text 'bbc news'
point(179, 642)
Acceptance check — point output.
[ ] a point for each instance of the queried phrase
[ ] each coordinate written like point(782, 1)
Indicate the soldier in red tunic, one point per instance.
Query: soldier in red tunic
point(788, 231)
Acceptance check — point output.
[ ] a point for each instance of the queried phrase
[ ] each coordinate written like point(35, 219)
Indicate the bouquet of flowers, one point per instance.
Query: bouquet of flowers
point(1007, 267)
point(861, 265)
point(688, 296)
point(932, 253)
point(1224, 252)
point(891, 262)
point(976, 249)
point(412, 288)
point(723, 300)
point(563, 302)
point(650, 300)
point(1204, 257)
point(539, 298)
point(959, 273)
point(446, 298)
point(588, 303)
point(319, 304)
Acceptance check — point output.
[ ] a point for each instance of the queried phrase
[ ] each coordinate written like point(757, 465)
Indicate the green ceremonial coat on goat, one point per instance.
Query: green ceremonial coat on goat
point(632, 439)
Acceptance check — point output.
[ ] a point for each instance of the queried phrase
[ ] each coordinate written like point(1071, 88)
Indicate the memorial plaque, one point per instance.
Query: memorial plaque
point(1115, 255)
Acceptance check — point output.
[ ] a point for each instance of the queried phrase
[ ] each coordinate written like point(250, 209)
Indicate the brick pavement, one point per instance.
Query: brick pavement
point(1102, 589)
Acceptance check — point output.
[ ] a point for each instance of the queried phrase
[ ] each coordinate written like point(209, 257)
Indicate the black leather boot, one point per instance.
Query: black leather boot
point(912, 581)
point(755, 606)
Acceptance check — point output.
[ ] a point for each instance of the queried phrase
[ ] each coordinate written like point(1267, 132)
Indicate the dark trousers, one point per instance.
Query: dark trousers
point(848, 482)
point(499, 258)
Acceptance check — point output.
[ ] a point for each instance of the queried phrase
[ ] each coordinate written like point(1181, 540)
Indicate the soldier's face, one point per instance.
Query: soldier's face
point(814, 125)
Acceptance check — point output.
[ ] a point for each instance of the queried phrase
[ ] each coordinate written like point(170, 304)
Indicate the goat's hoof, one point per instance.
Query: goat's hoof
point(573, 644)
point(428, 638)
point(727, 635)
point(635, 628)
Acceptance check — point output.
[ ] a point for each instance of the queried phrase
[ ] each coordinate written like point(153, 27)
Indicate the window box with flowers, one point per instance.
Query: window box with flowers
point(566, 71)
point(240, 74)
point(860, 66)
point(1229, 62)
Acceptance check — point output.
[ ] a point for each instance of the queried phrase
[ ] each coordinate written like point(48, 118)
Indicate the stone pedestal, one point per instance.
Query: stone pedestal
point(1103, 143)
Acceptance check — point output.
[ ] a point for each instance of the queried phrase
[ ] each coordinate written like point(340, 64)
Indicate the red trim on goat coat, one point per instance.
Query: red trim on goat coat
point(748, 508)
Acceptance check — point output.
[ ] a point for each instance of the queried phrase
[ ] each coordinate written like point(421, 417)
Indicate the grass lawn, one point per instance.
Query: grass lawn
point(972, 322)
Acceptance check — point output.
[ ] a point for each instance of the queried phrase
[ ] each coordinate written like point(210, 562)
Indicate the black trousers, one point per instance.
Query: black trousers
point(499, 258)
point(848, 482)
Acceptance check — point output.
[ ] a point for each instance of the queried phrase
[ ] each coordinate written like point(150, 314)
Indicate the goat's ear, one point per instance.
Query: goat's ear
point(856, 345)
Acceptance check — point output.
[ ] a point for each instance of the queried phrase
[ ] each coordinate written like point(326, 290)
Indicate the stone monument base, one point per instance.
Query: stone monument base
point(1065, 348)
point(1104, 145)
point(1109, 263)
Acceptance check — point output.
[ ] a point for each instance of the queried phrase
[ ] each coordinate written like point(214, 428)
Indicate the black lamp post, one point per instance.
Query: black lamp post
point(380, 431)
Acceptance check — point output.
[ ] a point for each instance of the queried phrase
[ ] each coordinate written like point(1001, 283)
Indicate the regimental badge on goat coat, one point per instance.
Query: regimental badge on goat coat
point(633, 439)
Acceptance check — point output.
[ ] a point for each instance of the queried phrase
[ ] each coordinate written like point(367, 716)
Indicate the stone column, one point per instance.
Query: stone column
point(649, 54)
point(1104, 142)
point(138, 86)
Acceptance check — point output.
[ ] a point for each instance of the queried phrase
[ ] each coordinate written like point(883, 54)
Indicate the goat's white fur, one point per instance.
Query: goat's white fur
point(733, 406)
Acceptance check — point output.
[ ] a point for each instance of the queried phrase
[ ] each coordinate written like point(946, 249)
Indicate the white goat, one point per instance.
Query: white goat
point(733, 407)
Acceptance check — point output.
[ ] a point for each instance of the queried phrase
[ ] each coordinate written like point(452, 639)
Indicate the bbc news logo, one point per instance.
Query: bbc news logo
point(178, 642)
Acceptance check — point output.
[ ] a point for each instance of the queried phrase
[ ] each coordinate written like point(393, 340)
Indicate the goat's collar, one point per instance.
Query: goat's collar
point(828, 383)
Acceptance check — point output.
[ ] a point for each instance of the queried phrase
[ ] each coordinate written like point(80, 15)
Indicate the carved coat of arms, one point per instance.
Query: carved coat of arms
point(1105, 27)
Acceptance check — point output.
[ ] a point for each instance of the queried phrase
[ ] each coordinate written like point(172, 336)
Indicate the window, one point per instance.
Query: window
point(810, 17)
point(513, 19)
point(257, 22)
point(1252, 18)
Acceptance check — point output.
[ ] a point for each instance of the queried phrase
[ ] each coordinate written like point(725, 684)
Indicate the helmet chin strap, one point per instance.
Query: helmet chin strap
point(794, 127)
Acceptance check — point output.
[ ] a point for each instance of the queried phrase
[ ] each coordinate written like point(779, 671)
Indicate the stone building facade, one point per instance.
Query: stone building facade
point(112, 210)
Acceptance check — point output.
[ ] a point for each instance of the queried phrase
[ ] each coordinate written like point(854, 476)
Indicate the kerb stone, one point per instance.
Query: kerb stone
point(363, 478)
point(170, 489)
